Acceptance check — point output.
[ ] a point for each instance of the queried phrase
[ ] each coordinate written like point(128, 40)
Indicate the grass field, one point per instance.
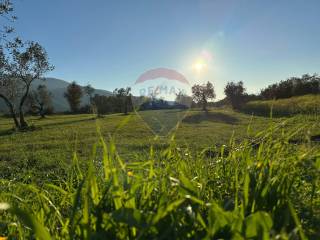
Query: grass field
point(307, 104)
point(220, 174)
point(56, 138)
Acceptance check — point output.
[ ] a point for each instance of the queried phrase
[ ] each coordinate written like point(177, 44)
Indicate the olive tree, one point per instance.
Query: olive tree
point(89, 92)
point(183, 100)
point(40, 101)
point(73, 95)
point(123, 96)
point(21, 63)
point(236, 94)
point(6, 12)
point(202, 93)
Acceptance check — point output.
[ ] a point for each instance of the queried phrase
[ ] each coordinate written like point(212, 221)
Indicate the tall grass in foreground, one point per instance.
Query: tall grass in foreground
point(262, 188)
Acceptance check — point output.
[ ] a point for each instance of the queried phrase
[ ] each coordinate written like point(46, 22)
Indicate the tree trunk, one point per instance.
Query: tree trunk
point(126, 106)
point(42, 111)
point(12, 112)
point(204, 103)
point(204, 107)
point(23, 123)
point(14, 117)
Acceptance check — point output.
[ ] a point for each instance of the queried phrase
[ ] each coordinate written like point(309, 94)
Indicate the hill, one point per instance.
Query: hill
point(57, 87)
point(307, 104)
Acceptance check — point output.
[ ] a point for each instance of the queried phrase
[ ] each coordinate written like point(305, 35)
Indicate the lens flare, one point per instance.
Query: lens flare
point(199, 65)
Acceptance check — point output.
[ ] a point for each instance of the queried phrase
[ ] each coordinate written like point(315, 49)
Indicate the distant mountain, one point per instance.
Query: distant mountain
point(58, 87)
point(52, 83)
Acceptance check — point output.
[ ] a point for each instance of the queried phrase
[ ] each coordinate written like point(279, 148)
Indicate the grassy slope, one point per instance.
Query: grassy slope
point(303, 104)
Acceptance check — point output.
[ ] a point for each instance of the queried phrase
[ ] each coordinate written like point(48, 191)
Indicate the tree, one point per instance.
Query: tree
point(235, 93)
point(103, 104)
point(124, 99)
point(7, 88)
point(40, 100)
point(73, 95)
point(294, 86)
point(183, 100)
point(20, 64)
point(6, 9)
point(89, 90)
point(202, 93)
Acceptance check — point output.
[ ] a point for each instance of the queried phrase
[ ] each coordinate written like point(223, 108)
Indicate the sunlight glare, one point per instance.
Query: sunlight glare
point(199, 65)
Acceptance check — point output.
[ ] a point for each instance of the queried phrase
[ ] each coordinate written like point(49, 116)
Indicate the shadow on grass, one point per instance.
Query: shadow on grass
point(34, 128)
point(176, 111)
point(267, 113)
point(212, 117)
point(7, 132)
point(68, 122)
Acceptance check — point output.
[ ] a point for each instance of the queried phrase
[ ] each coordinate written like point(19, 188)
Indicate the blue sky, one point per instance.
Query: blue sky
point(111, 43)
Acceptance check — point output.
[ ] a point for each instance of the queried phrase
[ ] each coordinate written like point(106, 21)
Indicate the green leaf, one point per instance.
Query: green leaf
point(258, 225)
point(39, 230)
point(130, 216)
point(187, 185)
point(297, 221)
point(165, 210)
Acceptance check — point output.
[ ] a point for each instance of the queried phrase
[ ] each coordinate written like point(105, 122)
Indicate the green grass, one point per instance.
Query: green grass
point(217, 175)
point(307, 104)
point(57, 137)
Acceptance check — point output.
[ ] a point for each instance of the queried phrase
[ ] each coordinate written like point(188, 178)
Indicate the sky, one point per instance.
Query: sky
point(109, 44)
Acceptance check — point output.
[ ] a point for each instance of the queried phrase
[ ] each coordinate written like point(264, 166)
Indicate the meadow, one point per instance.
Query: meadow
point(306, 104)
point(57, 137)
point(216, 175)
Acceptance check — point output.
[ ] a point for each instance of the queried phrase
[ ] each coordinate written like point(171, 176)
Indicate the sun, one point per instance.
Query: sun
point(199, 65)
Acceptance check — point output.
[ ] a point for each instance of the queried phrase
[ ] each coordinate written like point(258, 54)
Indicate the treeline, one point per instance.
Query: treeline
point(122, 101)
point(202, 96)
point(237, 97)
point(39, 101)
point(119, 102)
point(294, 86)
